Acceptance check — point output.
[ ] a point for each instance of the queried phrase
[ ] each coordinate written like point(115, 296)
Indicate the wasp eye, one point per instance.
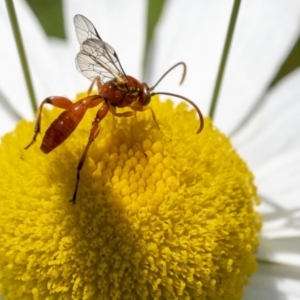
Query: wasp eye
point(147, 99)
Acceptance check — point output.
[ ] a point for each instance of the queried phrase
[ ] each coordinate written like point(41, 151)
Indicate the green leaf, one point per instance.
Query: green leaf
point(155, 8)
point(50, 15)
point(291, 63)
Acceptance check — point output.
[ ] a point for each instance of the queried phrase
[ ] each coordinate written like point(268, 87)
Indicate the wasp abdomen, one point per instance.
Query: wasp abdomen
point(62, 127)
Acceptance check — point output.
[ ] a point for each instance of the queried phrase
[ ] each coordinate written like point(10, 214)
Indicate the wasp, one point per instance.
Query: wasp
point(99, 62)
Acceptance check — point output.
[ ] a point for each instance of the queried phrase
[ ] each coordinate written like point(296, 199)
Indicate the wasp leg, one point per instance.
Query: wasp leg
point(124, 114)
point(56, 101)
point(96, 81)
point(143, 108)
point(101, 113)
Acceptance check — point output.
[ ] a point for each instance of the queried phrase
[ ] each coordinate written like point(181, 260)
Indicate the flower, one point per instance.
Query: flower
point(155, 217)
point(270, 143)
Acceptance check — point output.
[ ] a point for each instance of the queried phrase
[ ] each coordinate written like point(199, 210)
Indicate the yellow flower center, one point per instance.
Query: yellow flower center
point(160, 214)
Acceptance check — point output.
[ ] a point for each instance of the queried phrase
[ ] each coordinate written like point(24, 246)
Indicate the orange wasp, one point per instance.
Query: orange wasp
point(99, 62)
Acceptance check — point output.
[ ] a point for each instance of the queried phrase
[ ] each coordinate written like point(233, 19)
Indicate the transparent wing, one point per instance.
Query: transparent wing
point(96, 58)
point(85, 29)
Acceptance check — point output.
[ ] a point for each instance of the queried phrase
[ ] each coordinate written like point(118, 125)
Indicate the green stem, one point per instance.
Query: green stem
point(22, 55)
point(225, 53)
point(154, 12)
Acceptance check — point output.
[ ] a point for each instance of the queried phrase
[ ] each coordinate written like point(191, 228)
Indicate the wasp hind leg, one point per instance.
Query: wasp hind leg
point(101, 113)
point(60, 102)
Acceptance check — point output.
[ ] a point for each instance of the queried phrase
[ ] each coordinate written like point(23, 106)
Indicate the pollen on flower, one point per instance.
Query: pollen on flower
point(160, 214)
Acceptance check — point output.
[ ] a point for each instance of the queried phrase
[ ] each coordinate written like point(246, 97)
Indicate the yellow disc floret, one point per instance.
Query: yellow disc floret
point(160, 214)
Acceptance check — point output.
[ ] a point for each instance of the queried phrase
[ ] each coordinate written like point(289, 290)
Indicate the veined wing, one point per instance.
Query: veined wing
point(96, 58)
point(85, 29)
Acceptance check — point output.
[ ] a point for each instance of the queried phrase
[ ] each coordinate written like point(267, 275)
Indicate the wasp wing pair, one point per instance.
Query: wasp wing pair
point(96, 58)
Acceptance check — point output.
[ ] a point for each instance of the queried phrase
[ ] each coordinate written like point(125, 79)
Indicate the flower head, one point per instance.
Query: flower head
point(159, 215)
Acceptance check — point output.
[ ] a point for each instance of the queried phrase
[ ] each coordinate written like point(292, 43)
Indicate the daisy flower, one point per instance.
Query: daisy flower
point(261, 42)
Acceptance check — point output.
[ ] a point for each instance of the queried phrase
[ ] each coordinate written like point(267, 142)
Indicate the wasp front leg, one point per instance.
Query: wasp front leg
point(102, 112)
point(124, 114)
point(56, 101)
point(143, 108)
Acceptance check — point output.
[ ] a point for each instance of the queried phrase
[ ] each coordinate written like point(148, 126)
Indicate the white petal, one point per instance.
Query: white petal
point(274, 282)
point(44, 70)
point(277, 123)
point(194, 32)
point(271, 146)
point(7, 123)
point(11, 77)
point(280, 251)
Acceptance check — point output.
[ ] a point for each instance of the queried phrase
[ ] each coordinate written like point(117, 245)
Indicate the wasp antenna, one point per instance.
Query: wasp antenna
point(190, 102)
point(167, 72)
